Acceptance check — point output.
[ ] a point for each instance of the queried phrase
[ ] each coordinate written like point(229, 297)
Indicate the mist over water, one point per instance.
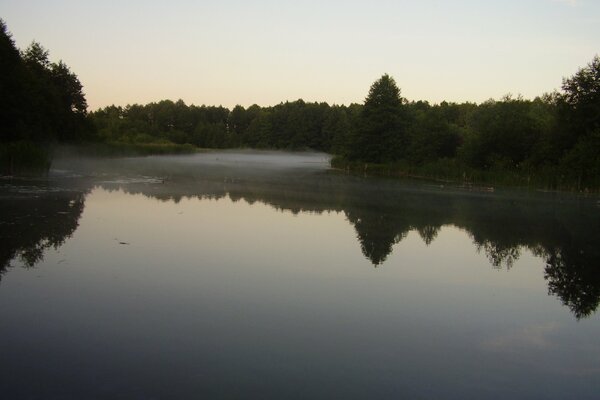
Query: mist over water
point(212, 163)
point(266, 274)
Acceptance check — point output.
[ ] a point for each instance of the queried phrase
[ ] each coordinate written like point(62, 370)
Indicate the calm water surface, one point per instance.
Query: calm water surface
point(266, 275)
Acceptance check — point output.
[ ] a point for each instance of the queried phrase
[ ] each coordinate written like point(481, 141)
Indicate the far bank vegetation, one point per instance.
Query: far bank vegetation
point(552, 141)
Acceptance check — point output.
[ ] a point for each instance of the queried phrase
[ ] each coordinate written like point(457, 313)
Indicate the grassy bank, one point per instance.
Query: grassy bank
point(116, 149)
point(27, 158)
point(24, 158)
point(453, 171)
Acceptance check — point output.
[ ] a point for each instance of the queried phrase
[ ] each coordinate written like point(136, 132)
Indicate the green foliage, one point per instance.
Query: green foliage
point(548, 141)
point(434, 132)
point(23, 157)
point(337, 128)
point(13, 90)
point(41, 102)
point(57, 106)
point(582, 99)
point(291, 125)
point(163, 121)
point(121, 149)
point(581, 165)
point(503, 133)
point(381, 133)
point(552, 139)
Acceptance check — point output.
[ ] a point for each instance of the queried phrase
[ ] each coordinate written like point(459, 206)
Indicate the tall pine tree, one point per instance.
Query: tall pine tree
point(381, 136)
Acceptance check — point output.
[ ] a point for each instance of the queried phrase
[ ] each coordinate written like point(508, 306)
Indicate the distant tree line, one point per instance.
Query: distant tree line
point(291, 125)
point(553, 140)
point(555, 136)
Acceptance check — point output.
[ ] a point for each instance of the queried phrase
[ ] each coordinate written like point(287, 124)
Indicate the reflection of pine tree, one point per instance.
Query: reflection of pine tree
point(382, 212)
point(382, 216)
point(376, 234)
point(428, 233)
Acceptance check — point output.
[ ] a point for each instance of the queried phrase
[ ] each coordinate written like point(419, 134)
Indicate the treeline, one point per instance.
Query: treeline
point(551, 141)
point(41, 102)
point(292, 125)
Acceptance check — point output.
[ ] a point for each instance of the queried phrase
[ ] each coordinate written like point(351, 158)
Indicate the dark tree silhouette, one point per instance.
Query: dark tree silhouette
point(32, 224)
point(381, 134)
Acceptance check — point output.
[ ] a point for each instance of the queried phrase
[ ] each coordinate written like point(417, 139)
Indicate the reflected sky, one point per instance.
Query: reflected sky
point(191, 285)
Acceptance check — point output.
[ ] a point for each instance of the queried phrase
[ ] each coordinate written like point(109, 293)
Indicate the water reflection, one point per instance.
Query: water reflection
point(562, 231)
point(35, 217)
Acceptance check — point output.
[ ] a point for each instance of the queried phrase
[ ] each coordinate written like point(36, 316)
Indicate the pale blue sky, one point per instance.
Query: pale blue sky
point(264, 52)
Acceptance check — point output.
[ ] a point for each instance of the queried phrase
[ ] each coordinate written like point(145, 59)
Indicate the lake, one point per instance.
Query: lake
point(269, 275)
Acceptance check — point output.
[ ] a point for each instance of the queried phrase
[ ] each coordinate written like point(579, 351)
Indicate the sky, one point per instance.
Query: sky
point(265, 52)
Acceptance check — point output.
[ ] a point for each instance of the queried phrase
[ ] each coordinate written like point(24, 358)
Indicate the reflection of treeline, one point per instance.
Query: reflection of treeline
point(34, 222)
point(383, 214)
